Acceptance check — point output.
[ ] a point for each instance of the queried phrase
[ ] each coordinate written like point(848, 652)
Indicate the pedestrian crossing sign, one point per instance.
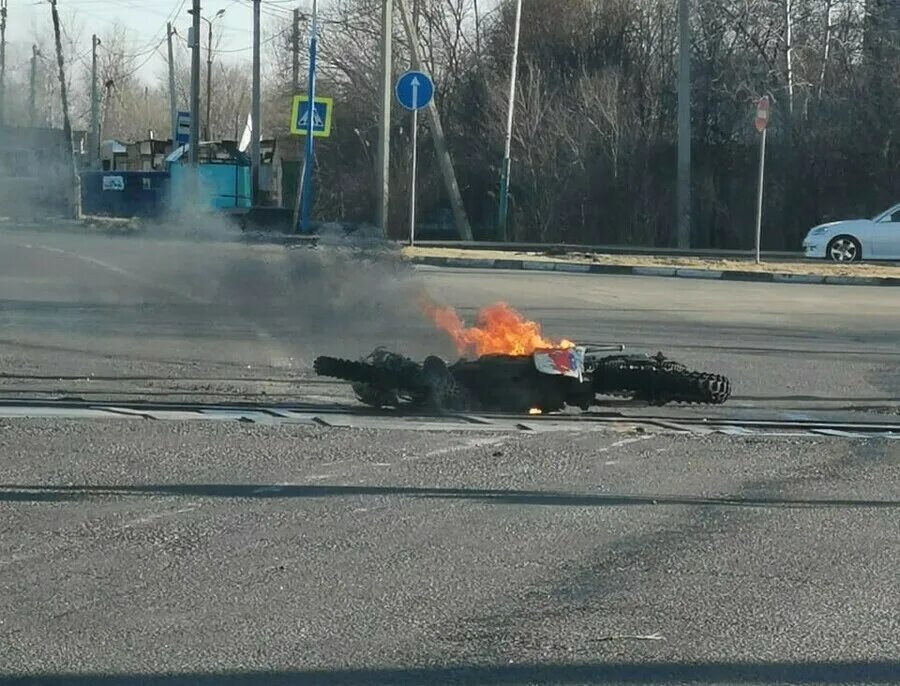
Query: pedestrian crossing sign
point(321, 114)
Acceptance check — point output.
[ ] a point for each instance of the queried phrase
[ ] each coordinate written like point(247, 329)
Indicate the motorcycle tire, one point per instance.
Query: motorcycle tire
point(658, 381)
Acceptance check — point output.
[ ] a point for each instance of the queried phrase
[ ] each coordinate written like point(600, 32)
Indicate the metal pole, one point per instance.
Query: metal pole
point(759, 194)
point(75, 200)
point(306, 195)
point(684, 124)
point(295, 88)
point(505, 168)
point(173, 110)
point(208, 77)
point(440, 143)
point(412, 183)
point(788, 54)
point(295, 53)
point(382, 192)
point(2, 62)
point(195, 93)
point(32, 85)
point(255, 124)
point(95, 107)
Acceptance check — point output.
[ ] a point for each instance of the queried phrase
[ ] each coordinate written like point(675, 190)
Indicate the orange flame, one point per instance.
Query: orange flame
point(499, 329)
point(535, 410)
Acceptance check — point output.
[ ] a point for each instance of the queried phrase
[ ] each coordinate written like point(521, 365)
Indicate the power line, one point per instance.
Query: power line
point(264, 42)
point(136, 69)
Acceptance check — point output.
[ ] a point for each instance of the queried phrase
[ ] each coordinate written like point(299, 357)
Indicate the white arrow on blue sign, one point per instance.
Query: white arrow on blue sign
point(414, 90)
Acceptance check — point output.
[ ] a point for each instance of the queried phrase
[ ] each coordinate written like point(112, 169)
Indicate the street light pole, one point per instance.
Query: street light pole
point(173, 107)
point(209, 61)
point(94, 138)
point(195, 91)
point(683, 179)
point(255, 107)
point(3, 62)
point(504, 170)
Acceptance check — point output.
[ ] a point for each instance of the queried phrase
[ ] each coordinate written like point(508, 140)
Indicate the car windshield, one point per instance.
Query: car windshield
point(448, 342)
point(887, 213)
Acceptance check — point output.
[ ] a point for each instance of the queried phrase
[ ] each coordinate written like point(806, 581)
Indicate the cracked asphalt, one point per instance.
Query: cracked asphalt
point(154, 552)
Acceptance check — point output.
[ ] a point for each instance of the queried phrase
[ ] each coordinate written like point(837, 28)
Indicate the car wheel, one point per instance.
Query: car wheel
point(844, 249)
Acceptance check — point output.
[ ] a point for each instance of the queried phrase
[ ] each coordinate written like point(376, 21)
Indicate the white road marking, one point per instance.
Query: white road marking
point(114, 269)
point(624, 441)
point(465, 445)
point(21, 557)
point(46, 551)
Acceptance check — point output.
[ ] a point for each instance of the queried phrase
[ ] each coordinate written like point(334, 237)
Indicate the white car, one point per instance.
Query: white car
point(855, 239)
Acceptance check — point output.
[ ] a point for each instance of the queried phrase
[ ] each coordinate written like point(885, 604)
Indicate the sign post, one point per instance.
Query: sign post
point(304, 118)
point(414, 91)
point(762, 123)
point(306, 179)
point(182, 128)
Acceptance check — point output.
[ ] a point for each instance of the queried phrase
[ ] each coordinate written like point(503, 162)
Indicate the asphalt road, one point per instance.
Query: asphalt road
point(136, 551)
point(154, 318)
point(132, 549)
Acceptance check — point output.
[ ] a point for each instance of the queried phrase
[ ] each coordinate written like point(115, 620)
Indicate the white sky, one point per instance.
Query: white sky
point(146, 23)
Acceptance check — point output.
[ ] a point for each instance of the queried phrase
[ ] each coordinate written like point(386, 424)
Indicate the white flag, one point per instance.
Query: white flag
point(245, 138)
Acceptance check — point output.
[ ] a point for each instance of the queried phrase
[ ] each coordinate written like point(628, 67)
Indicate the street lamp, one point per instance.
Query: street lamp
point(504, 170)
point(209, 49)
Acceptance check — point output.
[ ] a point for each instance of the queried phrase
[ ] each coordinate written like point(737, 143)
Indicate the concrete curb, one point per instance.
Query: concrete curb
point(676, 272)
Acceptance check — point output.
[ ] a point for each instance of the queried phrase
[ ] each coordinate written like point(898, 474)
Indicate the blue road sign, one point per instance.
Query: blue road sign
point(183, 128)
point(414, 90)
point(321, 116)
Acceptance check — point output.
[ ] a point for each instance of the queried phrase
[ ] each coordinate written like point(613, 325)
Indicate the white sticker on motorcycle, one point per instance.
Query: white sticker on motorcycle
point(561, 362)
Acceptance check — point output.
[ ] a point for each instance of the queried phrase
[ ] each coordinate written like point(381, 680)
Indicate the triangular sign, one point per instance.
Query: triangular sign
point(317, 119)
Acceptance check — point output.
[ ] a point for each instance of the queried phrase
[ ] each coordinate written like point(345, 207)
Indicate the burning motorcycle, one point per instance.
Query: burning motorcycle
point(518, 370)
point(547, 380)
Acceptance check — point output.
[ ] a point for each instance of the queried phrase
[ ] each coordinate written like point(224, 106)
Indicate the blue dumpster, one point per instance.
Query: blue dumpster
point(124, 193)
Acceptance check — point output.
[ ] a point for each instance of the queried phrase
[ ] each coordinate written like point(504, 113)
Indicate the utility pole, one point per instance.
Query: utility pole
point(173, 109)
point(75, 190)
point(255, 127)
point(295, 53)
point(209, 61)
point(437, 133)
point(504, 170)
point(2, 62)
point(195, 91)
point(208, 78)
point(684, 124)
point(94, 155)
point(383, 191)
point(32, 85)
